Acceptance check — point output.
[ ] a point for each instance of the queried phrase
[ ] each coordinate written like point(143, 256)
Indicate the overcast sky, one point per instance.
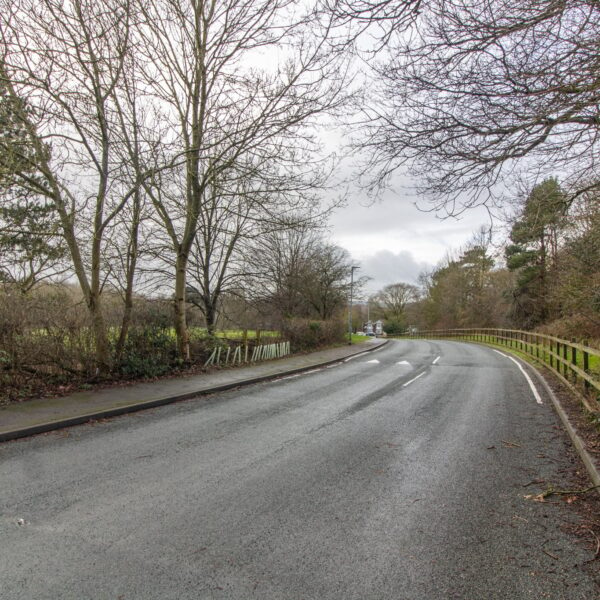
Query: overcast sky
point(392, 240)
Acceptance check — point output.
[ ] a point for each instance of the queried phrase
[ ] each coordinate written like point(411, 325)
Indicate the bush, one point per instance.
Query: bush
point(394, 327)
point(149, 351)
point(202, 344)
point(307, 334)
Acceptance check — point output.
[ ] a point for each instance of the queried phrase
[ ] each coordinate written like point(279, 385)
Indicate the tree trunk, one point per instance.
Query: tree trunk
point(543, 279)
point(181, 330)
point(131, 267)
point(210, 315)
point(100, 335)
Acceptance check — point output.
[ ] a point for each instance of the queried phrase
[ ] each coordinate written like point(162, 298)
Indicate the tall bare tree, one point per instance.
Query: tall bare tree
point(67, 60)
point(392, 300)
point(298, 273)
point(223, 109)
point(248, 202)
point(477, 89)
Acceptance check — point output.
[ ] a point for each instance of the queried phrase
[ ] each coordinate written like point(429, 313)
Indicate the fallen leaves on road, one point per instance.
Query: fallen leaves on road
point(572, 495)
point(550, 554)
point(597, 553)
point(536, 497)
point(509, 444)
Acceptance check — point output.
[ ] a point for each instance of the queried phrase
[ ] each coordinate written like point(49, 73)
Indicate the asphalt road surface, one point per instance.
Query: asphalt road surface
point(400, 474)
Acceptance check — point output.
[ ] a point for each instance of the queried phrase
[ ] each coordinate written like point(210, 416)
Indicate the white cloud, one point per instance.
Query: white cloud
point(393, 240)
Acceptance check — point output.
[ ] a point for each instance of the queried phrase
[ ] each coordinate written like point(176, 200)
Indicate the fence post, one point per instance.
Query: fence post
point(574, 359)
point(245, 343)
point(586, 365)
point(565, 357)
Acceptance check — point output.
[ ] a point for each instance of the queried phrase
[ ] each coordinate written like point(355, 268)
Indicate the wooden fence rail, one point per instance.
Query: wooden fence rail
point(575, 363)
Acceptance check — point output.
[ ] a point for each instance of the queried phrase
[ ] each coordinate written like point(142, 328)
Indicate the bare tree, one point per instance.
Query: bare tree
point(381, 19)
point(326, 284)
point(221, 109)
point(478, 89)
point(66, 60)
point(248, 202)
point(298, 273)
point(278, 262)
point(392, 300)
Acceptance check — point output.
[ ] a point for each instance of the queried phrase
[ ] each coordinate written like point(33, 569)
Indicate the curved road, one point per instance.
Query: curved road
point(400, 474)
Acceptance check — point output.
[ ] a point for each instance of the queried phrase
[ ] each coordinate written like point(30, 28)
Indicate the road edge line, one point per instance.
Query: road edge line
point(532, 387)
point(577, 442)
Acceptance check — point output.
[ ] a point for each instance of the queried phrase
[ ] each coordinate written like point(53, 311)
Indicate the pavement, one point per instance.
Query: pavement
point(405, 474)
point(46, 414)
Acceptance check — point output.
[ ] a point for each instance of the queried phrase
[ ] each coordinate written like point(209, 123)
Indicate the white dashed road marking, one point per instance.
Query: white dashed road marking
point(403, 362)
point(435, 361)
point(373, 362)
point(417, 377)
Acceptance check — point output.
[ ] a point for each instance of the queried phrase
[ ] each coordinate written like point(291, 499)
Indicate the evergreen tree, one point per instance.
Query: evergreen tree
point(30, 246)
point(534, 251)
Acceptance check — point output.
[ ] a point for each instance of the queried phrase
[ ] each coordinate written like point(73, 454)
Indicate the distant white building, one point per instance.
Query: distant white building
point(371, 328)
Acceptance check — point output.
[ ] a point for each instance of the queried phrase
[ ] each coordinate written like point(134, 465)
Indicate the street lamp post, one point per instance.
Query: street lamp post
point(350, 305)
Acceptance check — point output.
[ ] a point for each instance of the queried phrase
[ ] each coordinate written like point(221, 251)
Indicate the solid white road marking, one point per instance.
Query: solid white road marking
point(403, 362)
point(435, 361)
point(536, 394)
point(417, 377)
point(373, 362)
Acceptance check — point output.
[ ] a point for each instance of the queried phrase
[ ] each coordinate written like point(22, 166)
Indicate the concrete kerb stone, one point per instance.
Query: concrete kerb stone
point(577, 441)
point(169, 399)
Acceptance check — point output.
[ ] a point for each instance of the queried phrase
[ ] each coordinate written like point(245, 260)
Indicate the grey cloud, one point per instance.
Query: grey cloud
point(385, 267)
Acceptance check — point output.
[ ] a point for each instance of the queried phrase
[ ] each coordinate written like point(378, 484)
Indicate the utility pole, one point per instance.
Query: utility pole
point(350, 305)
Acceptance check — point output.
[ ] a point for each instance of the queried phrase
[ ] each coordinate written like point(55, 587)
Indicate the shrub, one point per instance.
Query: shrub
point(149, 352)
point(306, 334)
point(394, 327)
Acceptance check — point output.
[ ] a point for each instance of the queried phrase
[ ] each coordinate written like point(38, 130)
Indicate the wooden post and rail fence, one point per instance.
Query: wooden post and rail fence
point(577, 364)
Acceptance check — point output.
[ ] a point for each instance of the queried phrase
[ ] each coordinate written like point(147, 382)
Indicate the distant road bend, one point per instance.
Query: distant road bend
point(399, 474)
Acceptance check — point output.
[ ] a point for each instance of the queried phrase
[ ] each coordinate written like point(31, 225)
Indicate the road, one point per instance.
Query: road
point(400, 474)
